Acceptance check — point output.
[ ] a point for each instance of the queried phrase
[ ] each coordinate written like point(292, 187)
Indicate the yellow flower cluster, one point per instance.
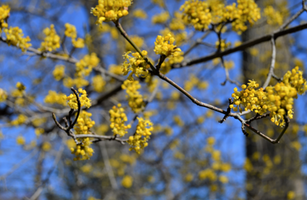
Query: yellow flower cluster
point(248, 11)
point(59, 72)
point(14, 36)
point(98, 83)
point(86, 64)
point(273, 17)
point(160, 18)
point(201, 14)
point(84, 100)
point(83, 151)
point(118, 119)
point(196, 13)
point(223, 45)
point(4, 14)
point(70, 31)
point(136, 64)
point(3, 95)
point(278, 99)
point(127, 181)
point(165, 46)
point(58, 98)
point(51, 41)
point(110, 10)
point(135, 99)
point(84, 123)
point(21, 119)
point(142, 134)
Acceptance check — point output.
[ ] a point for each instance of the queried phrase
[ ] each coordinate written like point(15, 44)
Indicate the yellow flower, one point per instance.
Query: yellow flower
point(118, 119)
point(127, 181)
point(20, 140)
point(14, 36)
point(51, 41)
point(110, 10)
point(165, 46)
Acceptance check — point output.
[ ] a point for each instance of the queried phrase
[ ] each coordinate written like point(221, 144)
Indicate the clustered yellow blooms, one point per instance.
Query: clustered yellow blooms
point(127, 181)
point(142, 134)
point(180, 37)
point(83, 151)
point(118, 119)
point(14, 36)
point(84, 123)
point(51, 41)
point(70, 31)
point(59, 72)
point(136, 64)
point(223, 45)
point(98, 83)
point(110, 10)
point(21, 119)
point(201, 14)
point(273, 17)
point(135, 99)
point(165, 46)
point(278, 99)
point(196, 13)
point(4, 14)
point(247, 11)
point(86, 64)
point(84, 100)
point(160, 18)
point(56, 98)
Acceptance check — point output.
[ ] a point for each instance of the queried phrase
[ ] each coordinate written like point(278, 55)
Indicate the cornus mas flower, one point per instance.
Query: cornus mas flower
point(277, 100)
point(201, 14)
point(118, 119)
point(86, 64)
point(142, 134)
point(72, 100)
point(165, 46)
point(110, 10)
point(196, 13)
point(83, 151)
point(135, 99)
point(136, 64)
point(51, 41)
point(14, 36)
point(4, 14)
point(70, 31)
